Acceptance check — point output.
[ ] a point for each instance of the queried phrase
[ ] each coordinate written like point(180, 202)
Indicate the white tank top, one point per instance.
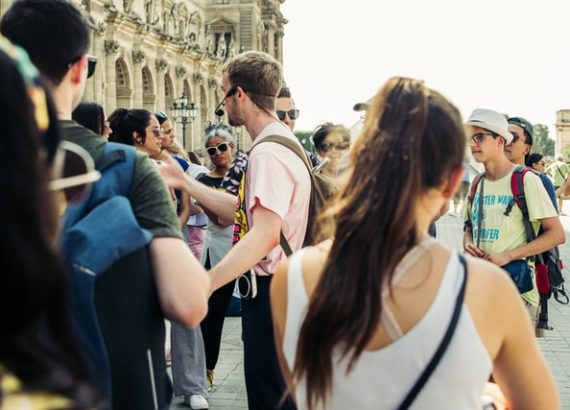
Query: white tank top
point(382, 378)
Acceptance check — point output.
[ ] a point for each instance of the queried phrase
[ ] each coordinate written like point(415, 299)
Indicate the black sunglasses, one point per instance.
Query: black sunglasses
point(340, 146)
point(222, 147)
point(230, 92)
point(292, 114)
point(91, 64)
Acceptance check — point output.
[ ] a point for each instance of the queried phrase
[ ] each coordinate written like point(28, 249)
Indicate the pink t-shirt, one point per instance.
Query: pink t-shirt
point(278, 180)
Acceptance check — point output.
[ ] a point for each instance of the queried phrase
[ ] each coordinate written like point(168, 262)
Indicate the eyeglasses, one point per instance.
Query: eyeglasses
point(223, 96)
point(74, 172)
point(91, 64)
point(222, 147)
point(157, 131)
point(292, 114)
point(480, 136)
point(340, 146)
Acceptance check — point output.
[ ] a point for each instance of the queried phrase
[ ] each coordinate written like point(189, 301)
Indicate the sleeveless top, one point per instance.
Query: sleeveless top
point(381, 378)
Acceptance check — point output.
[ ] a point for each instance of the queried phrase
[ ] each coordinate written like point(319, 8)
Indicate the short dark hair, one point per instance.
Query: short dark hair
point(284, 92)
point(124, 122)
point(327, 128)
point(55, 34)
point(533, 159)
point(91, 116)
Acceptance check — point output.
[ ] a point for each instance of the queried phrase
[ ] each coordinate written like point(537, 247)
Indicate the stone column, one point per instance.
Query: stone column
point(138, 60)
point(95, 89)
point(212, 97)
point(280, 33)
point(111, 48)
point(270, 38)
point(4, 5)
point(180, 73)
point(161, 65)
point(197, 81)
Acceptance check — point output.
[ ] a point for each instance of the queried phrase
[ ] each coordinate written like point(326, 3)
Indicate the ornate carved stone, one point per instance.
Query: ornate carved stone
point(138, 56)
point(161, 64)
point(197, 78)
point(127, 5)
point(180, 71)
point(100, 28)
point(212, 83)
point(111, 47)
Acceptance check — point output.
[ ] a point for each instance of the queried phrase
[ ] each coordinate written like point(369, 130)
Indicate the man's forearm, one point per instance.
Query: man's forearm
point(219, 203)
point(547, 240)
point(254, 246)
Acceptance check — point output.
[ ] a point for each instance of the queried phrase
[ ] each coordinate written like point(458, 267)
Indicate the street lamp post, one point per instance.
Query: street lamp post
point(184, 113)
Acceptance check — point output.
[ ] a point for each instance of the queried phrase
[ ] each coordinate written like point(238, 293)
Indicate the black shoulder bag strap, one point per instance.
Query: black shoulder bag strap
point(443, 345)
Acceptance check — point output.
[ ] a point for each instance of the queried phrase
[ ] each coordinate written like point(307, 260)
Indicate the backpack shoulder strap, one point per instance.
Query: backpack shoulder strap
point(286, 142)
point(471, 197)
point(517, 188)
point(124, 157)
point(474, 186)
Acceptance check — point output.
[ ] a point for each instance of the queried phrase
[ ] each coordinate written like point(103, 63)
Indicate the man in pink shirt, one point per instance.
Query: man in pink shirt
point(277, 194)
point(274, 196)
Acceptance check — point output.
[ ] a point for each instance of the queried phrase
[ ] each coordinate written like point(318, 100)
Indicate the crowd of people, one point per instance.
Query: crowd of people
point(112, 228)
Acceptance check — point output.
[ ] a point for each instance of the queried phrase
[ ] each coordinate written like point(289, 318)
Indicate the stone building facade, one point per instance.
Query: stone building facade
point(150, 52)
point(562, 143)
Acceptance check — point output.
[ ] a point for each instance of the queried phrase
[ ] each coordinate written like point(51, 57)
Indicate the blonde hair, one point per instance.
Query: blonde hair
point(258, 74)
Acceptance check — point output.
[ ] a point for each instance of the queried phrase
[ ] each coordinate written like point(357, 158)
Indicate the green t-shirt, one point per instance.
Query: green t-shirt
point(149, 196)
point(559, 171)
point(501, 233)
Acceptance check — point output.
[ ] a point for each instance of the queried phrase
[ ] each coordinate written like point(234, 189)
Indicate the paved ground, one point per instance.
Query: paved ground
point(229, 388)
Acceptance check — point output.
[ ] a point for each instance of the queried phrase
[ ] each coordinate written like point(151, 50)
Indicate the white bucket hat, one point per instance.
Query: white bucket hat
point(492, 121)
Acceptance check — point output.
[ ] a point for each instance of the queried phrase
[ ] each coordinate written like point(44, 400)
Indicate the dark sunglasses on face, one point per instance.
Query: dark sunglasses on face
point(157, 131)
point(292, 114)
point(222, 147)
point(327, 146)
point(91, 64)
point(480, 136)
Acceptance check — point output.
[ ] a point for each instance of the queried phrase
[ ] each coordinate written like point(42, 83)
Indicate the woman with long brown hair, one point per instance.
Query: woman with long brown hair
point(360, 317)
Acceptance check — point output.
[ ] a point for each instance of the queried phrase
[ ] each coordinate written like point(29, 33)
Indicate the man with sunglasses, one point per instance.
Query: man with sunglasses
point(274, 195)
point(57, 36)
point(492, 232)
point(285, 108)
point(276, 191)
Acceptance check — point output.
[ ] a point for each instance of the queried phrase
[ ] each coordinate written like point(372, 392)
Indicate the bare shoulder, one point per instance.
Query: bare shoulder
point(486, 276)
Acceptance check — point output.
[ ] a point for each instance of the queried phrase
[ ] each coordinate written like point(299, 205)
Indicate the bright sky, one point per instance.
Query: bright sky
point(512, 56)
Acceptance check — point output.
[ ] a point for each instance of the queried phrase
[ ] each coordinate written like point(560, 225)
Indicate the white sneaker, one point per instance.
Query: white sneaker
point(197, 402)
